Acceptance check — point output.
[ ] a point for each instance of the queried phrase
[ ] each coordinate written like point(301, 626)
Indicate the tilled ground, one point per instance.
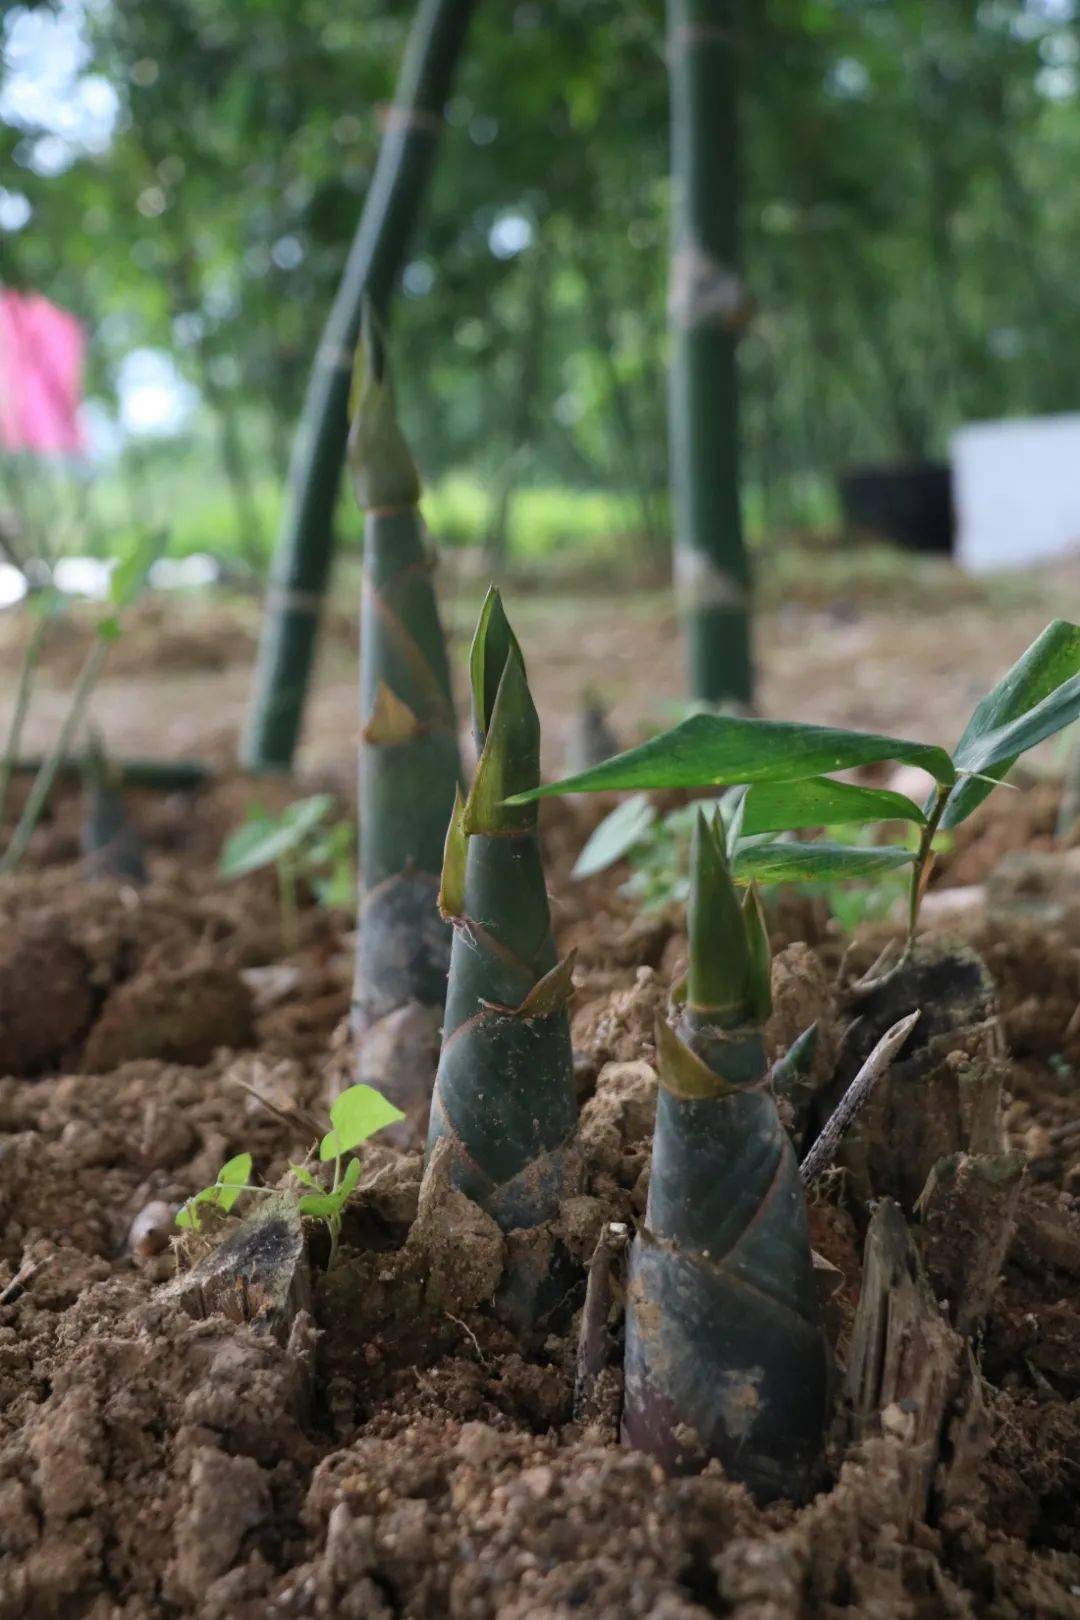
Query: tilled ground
point(395, 1451)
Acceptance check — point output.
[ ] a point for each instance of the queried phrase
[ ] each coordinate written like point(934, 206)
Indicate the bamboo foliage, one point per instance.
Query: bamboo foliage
point(707, 307)
point(409, 763)
point(305, 546)
point(504, 1103)
point(725, 1353)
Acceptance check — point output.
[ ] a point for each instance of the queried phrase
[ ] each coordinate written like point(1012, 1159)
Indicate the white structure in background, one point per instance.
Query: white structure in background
point(1016, 488)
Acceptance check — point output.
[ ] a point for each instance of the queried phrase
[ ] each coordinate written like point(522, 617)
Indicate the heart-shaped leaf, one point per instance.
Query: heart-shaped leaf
point(357, 1114)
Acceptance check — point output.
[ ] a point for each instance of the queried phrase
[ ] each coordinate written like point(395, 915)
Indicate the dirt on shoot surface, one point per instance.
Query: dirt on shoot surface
point(393, 1450)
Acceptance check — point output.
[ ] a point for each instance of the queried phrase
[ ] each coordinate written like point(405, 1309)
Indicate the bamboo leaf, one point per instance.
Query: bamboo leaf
point(721, 750)
point(797, 863)
point(617, 833)
point(1052, 660)
point(357, 1114)
point(819, 802)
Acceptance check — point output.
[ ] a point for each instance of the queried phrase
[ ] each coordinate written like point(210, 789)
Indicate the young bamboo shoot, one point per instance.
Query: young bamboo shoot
point(504, 1097)
point(725, 1353)
point(409, 764)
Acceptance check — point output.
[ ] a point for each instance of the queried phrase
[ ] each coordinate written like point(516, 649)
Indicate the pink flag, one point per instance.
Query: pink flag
point(41, 358)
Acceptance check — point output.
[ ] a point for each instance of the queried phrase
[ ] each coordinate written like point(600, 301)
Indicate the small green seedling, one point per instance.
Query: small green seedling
point(657, 849)
point(357, 1114)
point(784, 769)
point(298, 843)
point(128, 578)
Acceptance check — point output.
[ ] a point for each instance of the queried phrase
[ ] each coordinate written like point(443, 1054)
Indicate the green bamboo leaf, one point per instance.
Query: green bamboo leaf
point(1050, 663)
point(711, 750)
point(357, 1114)
point(617, 833)
point(799, 863)
point(819, 802)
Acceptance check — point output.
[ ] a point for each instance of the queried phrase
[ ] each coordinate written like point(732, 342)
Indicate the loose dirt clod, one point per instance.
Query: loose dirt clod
point(259, 1274)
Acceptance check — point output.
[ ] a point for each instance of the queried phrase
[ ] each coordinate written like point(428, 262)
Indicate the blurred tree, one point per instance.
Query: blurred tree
point(904, 241)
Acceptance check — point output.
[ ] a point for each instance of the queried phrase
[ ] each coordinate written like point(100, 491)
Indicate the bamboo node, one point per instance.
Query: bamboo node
point(702, 290)
point(699, 583)
point(290, 601)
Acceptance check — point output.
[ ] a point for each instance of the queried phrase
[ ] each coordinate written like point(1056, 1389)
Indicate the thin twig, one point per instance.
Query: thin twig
point(22, 704)
point(466, 1329)
point(886, 966)
point(28, 1270)
point(42, 786)
point(824, 1149)
point(294, 1116)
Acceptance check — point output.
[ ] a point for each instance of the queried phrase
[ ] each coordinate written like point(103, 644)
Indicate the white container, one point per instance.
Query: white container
point(1016, 488)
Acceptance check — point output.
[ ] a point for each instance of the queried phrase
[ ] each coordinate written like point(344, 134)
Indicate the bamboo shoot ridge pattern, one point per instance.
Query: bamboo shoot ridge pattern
point(725, 1350)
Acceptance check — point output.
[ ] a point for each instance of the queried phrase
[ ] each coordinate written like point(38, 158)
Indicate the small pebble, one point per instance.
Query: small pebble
point(152, 1229)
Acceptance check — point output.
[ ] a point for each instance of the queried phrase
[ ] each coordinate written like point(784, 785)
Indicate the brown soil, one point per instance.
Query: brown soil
point(397, 1451)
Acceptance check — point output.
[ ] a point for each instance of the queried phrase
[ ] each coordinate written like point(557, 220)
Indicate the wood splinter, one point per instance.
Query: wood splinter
point(877, 1064)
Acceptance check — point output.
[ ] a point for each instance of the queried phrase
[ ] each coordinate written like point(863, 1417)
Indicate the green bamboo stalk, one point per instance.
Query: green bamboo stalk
point(504, 1103)
point(161, 775)
point(22, 705)
point(43, 782)
point(725, 1354)
point(706, 309)
point(410, 766)
point(305, 545)
point(110, 845)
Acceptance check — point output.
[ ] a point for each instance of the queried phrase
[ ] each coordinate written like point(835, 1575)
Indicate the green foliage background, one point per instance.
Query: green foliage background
point(909, 246)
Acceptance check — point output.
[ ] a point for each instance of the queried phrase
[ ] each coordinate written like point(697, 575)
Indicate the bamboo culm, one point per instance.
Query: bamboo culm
point(304, 550)
point(707, 307)
point(725, 1352)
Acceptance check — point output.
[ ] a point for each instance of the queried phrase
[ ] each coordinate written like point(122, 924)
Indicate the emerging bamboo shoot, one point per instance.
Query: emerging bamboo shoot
point(409, 764)
point(504, 1101)
point(725, 1353)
